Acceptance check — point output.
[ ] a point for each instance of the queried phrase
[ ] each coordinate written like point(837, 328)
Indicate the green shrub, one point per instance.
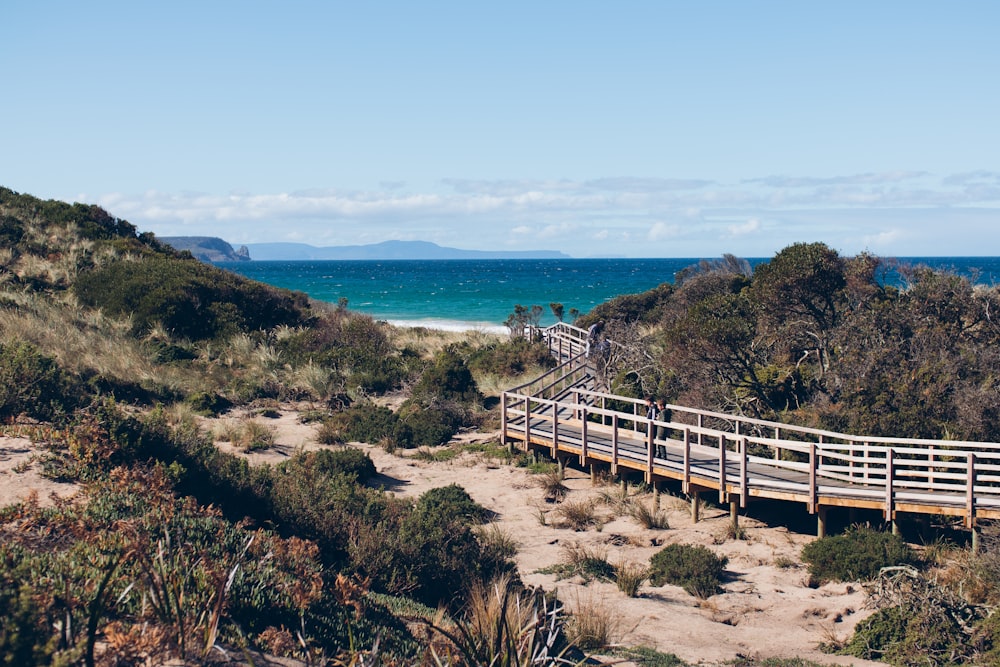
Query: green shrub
point(510, 357)
point(856, 555)
point(451, 502)
point(697, 569)
point(426, 427)
point(447, 379)
point(366, 422)
point(208, 404)
point(34, 385)
point(910, 635)
point(191, 299)
point(349, 461)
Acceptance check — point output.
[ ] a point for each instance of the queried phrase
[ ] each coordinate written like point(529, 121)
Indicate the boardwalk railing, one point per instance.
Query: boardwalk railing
point(742, 457)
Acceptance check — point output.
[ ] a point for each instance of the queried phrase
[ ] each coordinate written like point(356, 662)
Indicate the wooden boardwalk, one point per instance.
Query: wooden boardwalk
point(739, 458)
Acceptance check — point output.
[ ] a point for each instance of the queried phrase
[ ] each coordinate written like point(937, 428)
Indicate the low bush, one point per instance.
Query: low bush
point(856, 555)
point(451, 502)
point(34, 385)
point(208, 404)
point(910, 635)
point(189, 298)
point(366, 422)
point(697, 569)
point(510, 358)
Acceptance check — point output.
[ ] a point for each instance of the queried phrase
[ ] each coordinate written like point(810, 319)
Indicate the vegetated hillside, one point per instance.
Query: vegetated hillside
point(175, 547)
point(817, 339)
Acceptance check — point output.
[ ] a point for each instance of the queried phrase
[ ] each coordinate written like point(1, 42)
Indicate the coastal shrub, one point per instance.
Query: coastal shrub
point(856, 555)
point(427, 427)
point(365, 422)
point(34, 385)
point(189, 298)
point(447, 378)
point(451, 502)
point(910, 635)
point(697, 569)
point(355, 347)
point(208, 404)
point(510, 357)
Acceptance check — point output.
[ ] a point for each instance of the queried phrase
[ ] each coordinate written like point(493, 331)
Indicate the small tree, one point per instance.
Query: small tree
point(557, 310)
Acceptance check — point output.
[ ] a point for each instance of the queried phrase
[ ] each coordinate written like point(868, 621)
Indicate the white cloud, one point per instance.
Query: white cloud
point(661, 231)
point(624, 215)
point(749, 227)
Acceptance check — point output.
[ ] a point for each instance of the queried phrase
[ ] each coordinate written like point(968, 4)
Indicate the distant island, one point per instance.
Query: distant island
point(387, 250)
point(207, 248)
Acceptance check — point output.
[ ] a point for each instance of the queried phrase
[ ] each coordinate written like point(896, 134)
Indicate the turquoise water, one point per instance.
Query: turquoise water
point(482, 293)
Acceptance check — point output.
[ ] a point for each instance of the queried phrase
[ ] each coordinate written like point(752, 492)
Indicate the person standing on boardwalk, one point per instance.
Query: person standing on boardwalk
point(663, 414)
point(593, 335)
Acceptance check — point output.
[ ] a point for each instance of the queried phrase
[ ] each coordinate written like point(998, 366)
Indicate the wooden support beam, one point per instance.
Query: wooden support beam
point(686, 479)
point(744, 487)
point(821, 521)
point(734, 516)
point(722, 467)
point(695, 506)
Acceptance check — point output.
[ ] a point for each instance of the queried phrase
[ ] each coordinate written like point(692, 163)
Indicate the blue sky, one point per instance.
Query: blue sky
point(626, 128)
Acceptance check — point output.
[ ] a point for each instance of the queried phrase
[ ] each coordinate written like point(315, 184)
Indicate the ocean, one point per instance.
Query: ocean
point(480, 294)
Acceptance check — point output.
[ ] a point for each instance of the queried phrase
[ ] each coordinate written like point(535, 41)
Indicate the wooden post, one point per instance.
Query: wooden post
point(527, 420)
point(656, 496)
point(813, 493)
point(744, 491)
point(890, 475)
point(555, 430)
point(777, 448)
point(593, 475)
point(701, 425)
point(821, 521)
point(722, 468)
point(734, 516)
point(503, 420)
point(975, 539)
point(649, 451)
point(686, 480)
point(695, 506)
point(970, 490)
point(614, 452)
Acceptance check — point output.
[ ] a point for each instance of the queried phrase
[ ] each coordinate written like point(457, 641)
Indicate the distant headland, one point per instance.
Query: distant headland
point(207, 248)
point(387, 250)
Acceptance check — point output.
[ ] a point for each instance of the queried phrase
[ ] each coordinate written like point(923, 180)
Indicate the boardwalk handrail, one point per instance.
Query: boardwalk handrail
point(743, 457)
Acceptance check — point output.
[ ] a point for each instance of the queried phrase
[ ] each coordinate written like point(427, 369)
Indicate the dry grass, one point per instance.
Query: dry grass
point(553, 489)
point(578, 514)
point(629, 577)
point(247, 434)
point(593, 624)
point(647, 517)
point(85, 341)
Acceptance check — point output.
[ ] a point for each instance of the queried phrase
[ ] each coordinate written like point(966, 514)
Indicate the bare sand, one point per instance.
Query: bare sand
point(767, 610)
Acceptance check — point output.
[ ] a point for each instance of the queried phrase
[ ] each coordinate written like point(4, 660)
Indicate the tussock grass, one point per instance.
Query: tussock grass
point(593, 624)
point(247, 434)
point(647, 517)
point(629, 577)
point(497, 539)
point(578, 514)
point(87, 343)
point(553, 489)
